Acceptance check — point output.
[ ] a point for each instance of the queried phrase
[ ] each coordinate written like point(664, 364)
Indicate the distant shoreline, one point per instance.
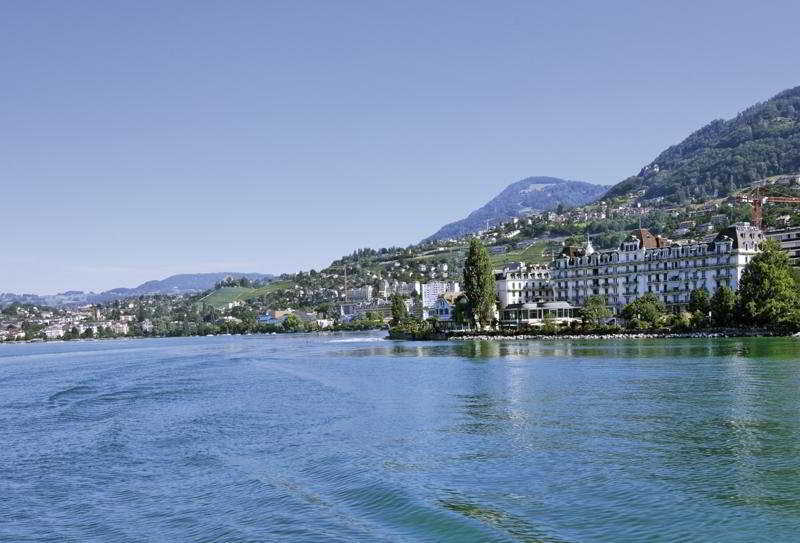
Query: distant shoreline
point(127, 338)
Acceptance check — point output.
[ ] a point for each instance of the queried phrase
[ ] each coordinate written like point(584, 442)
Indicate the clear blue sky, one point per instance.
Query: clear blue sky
point(141, 139)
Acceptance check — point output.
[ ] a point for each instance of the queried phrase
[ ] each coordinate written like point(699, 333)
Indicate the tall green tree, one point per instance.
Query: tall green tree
point(461, 311)
point(595, 311)
point(723, 307)
point(399, 309)
point(479, 283)
point(768, 293)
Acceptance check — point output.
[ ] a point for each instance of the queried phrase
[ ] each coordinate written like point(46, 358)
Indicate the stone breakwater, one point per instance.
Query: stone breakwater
point(655, 335)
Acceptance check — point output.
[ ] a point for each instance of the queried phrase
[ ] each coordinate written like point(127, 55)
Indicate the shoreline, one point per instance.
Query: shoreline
point(643, 335)
point(622, 336)
point(80, 340)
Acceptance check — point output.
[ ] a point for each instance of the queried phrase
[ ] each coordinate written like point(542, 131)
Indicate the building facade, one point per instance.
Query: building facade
point(649, 264)
point(537, 313)
point(521, 283)
point(789, 238)
point(359, 294)
point(444, 307)
point(431, 292)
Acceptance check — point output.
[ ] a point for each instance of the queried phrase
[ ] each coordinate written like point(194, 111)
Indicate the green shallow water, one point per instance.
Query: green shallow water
point(353, 438)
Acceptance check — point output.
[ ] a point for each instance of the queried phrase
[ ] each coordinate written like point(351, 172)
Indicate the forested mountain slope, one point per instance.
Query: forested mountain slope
point(761, 141)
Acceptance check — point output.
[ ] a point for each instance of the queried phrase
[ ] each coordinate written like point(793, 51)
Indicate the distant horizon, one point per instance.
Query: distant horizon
point(151, 139)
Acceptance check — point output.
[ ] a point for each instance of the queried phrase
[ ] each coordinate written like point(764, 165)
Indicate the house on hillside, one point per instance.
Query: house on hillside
point(432, 291)
point(445, 305)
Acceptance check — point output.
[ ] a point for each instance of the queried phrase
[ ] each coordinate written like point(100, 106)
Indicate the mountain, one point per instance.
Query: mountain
point(723, 156)
point(524, 197)
point(184, 283)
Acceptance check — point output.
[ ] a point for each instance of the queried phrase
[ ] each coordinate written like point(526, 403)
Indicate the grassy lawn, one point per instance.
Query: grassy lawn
point(455, 251)
point(271, 287)
point(531, 254)
point(225, 295)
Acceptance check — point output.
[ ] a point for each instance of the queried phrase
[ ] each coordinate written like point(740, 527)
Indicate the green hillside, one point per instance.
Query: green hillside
point(723, 156)
point(532, 254)
point(225, 295)
point(271, 287)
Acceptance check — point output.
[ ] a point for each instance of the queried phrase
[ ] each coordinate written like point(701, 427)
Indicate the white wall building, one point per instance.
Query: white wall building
point(54, 332)
point(648, 264)
point(360, 294)
point(789, 238)
point(388, 288)
point(522, 283)
point(537, 313)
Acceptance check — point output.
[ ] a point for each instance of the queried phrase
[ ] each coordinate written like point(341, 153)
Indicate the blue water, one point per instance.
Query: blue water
point(353, 438)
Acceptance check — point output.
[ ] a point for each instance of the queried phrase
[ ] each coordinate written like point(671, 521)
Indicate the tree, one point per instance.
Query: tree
point(723, 307)
point(699, 306)
point(549, 325)
point(292, 323)
point(595, 311)
point(699, 301)
point(373, 318)
point(648, 309)
point(399, 309)
point(88, 333)
point(479, 283)
point(767, 291)
point(461, 311)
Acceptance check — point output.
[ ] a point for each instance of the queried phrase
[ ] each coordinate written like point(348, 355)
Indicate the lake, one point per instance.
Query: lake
point(349, 437)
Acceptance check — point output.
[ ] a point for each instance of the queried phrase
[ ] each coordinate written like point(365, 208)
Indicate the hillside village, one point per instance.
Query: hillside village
point(357, 291)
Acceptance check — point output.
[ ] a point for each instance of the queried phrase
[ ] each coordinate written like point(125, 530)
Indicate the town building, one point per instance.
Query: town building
point(360, 294)
point(789, 238)
point(54, 332)
point(519, 282)
point(431, 292)
point(645, 263)
point(388, 288)
point(538, 313)
point(444, 306)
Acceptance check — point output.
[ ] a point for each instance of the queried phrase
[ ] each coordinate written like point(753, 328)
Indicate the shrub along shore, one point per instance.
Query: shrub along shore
point(573, 335)
point(660, 334)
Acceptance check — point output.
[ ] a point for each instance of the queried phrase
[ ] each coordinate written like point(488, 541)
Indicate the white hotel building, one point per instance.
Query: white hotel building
point(525, 293)
point(521, 283)
point(646, 263)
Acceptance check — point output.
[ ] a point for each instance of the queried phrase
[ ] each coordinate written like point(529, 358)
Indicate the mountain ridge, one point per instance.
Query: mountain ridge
point(182, 283)
point(723, 156)
point(524, 197)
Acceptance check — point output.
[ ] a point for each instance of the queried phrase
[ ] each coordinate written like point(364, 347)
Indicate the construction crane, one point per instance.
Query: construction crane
point(757, 202)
